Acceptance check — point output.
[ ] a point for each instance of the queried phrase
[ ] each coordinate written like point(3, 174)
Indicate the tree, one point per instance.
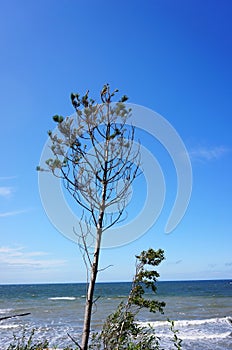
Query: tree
point(94, 155)
point(121, 329)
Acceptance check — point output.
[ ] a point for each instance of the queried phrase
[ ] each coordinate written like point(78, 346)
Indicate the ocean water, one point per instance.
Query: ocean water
point(202, 311)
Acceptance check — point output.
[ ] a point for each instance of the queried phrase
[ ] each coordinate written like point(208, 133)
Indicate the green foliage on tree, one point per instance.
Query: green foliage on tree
point(121, 329)
point(145, 279)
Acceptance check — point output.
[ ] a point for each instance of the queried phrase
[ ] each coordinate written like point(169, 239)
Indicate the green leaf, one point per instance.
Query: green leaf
point(58, 118)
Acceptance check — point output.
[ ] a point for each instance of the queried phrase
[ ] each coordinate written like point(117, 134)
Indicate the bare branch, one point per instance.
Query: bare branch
point(74, 341)
point(104, 268)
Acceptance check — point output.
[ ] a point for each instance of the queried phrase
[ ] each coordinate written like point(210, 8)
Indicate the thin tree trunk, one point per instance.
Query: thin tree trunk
point(90, 293)
point(94, 267)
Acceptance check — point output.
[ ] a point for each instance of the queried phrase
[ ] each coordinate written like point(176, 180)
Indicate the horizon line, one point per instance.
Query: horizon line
point(106, 282)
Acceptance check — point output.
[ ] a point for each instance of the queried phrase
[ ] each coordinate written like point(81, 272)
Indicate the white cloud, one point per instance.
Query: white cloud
point(10, 251)
point(208, 154)
point(17, 258)
point(4, 178)
point(6, 191)
point(12, 213)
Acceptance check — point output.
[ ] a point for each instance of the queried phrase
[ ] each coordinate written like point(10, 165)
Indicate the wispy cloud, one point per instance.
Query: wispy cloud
point(4, 178)
point(212, 266)
point(178, 262)
point(208, 154)
point(10, 251)
point(17, 258)
point(175, 262)
point(6, 191)
point(13, 213)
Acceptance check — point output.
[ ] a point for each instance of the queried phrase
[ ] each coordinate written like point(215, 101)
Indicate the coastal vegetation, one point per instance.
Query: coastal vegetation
point(122, 330)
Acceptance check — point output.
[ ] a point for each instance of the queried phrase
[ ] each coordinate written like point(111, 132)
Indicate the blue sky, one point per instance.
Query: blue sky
point(173, 57)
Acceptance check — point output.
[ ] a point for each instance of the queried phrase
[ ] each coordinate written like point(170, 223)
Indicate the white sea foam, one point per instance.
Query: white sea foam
point(202, 322)
point(8, 326)
point(192, 330)
point(205, 336)
point(62, 298)
point(196, 336)
point(4, 311)
point(186, 323)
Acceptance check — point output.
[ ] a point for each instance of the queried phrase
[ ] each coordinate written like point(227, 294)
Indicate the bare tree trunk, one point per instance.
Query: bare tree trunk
point(94, 267)
point(90, 293)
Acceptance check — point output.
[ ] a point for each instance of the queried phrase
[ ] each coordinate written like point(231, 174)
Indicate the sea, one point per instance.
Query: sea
point(202, 311)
